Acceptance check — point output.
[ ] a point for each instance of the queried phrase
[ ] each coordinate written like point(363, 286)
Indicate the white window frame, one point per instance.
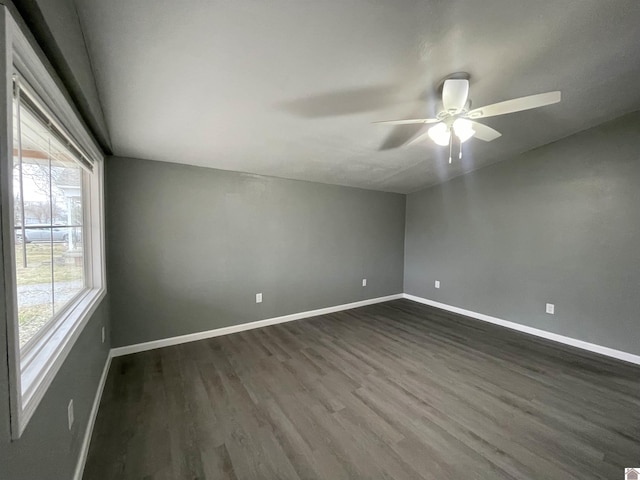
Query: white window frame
point(32, 371)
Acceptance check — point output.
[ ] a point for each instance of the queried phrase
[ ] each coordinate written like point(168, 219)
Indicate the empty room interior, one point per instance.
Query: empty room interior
point(350, 239)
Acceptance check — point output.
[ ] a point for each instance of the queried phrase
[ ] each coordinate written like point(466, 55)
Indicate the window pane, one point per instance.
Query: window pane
point(68, 266)
point(48, 220)
point(33, 209)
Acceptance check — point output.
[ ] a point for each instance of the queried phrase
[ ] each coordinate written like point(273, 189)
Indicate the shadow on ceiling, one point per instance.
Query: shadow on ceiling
point(342, 102)
point(359, 100)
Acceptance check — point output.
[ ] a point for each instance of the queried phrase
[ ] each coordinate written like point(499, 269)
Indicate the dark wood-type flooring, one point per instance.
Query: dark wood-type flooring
point(395, 390)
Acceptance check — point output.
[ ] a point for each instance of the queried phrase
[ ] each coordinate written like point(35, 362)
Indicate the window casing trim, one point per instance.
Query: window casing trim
point(31, 375)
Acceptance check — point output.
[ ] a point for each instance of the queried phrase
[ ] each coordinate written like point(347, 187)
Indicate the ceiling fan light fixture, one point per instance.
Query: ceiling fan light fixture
point(455, 118)
point(463, 129)
point(440, 134)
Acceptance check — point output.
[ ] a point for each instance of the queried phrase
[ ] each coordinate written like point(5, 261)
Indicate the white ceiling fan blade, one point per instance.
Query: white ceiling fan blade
point(409, 121)
point(516, 105)
point(454, 94)
point(482, 132)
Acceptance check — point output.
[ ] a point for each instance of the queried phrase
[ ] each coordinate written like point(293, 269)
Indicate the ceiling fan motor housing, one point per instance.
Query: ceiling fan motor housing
point(454, 95)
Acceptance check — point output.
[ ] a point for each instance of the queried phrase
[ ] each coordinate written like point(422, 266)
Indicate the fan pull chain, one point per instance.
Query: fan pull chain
point(450, 146)
point(460, 153)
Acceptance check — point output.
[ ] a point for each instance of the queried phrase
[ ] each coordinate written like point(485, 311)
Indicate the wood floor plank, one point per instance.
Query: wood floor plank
point(396, 390)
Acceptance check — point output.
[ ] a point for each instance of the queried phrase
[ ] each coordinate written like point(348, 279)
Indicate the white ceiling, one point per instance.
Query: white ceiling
point(290, 87)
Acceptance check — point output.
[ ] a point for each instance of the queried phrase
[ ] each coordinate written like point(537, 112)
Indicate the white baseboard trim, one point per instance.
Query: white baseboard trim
point(192, 337)
point(84, 449)
point(592, 347)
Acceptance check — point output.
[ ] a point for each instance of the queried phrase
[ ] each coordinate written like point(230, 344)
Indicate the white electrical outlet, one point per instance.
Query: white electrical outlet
point(364, 282)
point(437, 283)
point(258, 298)
point(551, 308)
point(70, 413)
point(102, 334)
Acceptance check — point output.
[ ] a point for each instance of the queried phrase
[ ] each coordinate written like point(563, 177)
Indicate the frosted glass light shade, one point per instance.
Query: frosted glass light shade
point(440, 134)
point(463, 129)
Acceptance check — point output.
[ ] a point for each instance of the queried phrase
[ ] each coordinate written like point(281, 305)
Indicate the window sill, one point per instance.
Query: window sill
point(42, 362)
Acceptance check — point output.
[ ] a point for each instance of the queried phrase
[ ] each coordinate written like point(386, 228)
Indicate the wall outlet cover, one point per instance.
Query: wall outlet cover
point(437, 284)
point(551, 308)
point(364, 282)
point(258, 297)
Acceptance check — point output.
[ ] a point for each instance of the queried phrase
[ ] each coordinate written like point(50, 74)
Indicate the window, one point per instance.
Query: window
point(48, 176)
point(52, 235)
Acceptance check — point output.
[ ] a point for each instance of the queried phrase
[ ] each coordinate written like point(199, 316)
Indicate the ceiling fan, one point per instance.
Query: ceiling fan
point(456, 118)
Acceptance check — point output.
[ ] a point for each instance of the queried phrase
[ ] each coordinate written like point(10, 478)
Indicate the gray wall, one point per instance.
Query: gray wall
point(560, 224)
point(47, 449)
point(190, 247)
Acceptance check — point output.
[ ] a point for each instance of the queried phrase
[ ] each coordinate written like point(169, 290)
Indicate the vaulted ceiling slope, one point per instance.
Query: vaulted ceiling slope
point(55, 26)
point(290, 87)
